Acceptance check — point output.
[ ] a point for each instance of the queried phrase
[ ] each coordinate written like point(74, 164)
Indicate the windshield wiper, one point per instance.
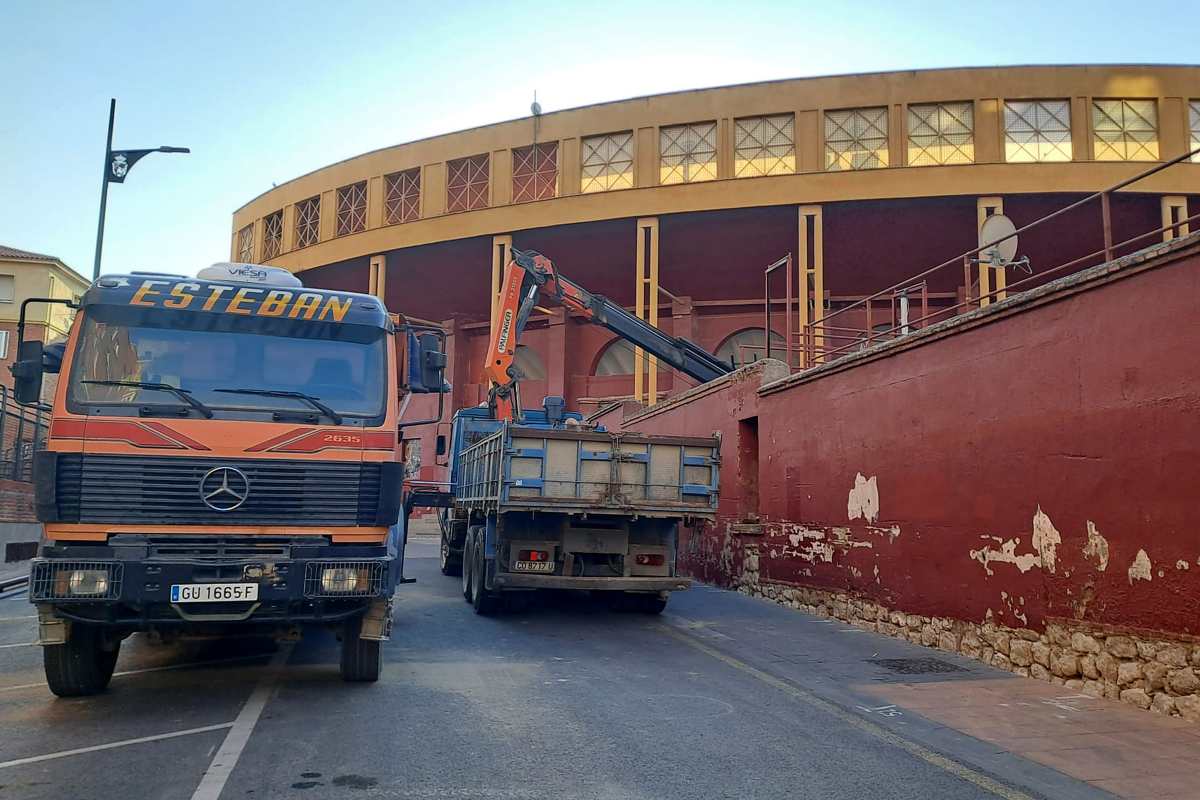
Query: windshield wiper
point(183, 394)
point(315, 402)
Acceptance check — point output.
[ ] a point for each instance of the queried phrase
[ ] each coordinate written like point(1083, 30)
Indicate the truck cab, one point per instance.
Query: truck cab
point(222, 454)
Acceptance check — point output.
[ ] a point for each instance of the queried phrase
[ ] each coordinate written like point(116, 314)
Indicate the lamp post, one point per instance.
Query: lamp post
point(117, 164)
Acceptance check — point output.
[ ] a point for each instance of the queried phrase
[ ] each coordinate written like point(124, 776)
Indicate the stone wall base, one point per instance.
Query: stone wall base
point(1157, 674)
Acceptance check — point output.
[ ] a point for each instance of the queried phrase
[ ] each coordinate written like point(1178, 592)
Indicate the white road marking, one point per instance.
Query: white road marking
point(146, 669)
point(227, 756)
point(19, 644)
point(16, 619)
point(123, 743)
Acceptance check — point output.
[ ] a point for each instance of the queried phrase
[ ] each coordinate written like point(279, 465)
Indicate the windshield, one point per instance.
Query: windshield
point(199, 354)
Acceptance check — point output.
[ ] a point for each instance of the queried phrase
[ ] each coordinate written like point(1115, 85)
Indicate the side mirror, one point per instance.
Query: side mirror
point(441, 444)
point(426, 364)
point(27, 373)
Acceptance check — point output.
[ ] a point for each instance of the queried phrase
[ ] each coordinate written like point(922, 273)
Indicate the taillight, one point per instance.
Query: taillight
point(649, 560)
point(533, 555)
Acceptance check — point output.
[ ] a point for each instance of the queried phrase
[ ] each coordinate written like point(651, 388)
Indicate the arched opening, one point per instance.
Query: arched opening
point(530, 363)
point(748, 345)
point(615, 359)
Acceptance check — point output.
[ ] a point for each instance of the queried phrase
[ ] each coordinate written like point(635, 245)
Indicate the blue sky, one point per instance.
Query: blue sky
point(263, 92)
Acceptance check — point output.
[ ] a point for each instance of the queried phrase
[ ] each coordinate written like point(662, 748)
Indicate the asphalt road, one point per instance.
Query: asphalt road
point(721, 697)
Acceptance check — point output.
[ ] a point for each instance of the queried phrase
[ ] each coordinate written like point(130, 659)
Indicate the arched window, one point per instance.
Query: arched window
point(616, 359)
point(747, 345)
point(530, 363)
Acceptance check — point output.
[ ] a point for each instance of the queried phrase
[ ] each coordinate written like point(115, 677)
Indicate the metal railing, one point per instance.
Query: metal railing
point(23, 430)
point(821, 340)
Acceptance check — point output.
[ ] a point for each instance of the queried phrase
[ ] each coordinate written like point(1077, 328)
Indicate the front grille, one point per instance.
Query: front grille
point(138, 489)
point(51, 580)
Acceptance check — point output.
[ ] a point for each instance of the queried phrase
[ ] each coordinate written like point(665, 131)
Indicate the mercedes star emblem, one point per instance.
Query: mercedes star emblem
point(224, 488)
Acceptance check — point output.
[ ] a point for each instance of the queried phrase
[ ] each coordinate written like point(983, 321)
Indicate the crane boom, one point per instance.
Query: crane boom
point(529, 276)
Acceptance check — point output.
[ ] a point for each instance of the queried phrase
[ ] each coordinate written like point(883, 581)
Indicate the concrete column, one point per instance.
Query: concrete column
point(568, 167)
point(645, 157)
point(897, 136)
point(1173, 133)
point(377, 277)
point(1081, 129)
point(500, 174)
point(989, 131)
point(375, 203)
point(724, 148)
point(682, 321)
point(328, 215)
point(810, 141)
point(458, 366)
point(433, 190)
point(289, 230)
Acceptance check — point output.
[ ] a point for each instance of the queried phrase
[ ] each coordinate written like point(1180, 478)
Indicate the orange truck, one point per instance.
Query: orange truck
point(222, 456)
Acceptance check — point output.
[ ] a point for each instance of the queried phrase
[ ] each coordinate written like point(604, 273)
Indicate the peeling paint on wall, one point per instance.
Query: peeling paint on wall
point(1181, 564)
point(1045, 545)
point(1096, 547)
point(1045, 539)
point(1139, 570)
point(863, 500)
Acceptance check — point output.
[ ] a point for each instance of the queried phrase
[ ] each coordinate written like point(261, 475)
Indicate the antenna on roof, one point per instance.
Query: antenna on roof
point(535, 107)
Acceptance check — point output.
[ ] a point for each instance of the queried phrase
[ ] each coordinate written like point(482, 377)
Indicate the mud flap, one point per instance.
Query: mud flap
point(51, 628)
point(377, 622)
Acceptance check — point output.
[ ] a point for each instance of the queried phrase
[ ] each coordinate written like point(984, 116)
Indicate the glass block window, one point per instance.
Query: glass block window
point(467, 183)
point(606, 162)
point(402, 196)
point(351, 208)
point(941, 133)
point(1194, 127)
point(856, 138)
point(688, 153)
point(245, 244)
point(535, 172)
point(308, 221)
point(764, 146)
point(1125, 130)
point(272, 235)
point(1037, 130)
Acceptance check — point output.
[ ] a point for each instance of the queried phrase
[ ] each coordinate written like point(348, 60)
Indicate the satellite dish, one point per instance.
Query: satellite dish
point(536, 107)
point(995, 252)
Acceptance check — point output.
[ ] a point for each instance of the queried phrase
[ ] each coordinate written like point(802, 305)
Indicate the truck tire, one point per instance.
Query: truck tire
point(82, 666)
point(362, 659)
point(451, 563)
point(468, 562)
point(485, 603)
point(651, 603)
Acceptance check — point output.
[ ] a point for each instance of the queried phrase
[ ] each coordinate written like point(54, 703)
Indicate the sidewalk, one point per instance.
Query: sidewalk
point(995, 720)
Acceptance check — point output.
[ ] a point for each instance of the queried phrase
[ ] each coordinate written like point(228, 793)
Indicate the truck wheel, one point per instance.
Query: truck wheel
point(82, 666)
point(485, 603)
point(651, 604)
point(468, 562)
point(452, 563)
point(362, 659)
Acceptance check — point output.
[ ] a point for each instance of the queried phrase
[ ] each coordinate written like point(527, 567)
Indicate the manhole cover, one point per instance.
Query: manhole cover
point(915, 666)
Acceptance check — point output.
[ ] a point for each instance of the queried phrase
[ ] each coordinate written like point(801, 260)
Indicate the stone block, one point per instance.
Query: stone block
point(1041, 653)
point(985, 654)
point(914, 621)
point(948, 641)
point(1146, 650)
point(1002, 643)
point(1196, 656)
point(1183, 681)
point(1087, 666)
point(1173, 655)
point(1000, 661)
point(1093, 688)
point(929, 636)
point(1107, 665)
point(1082, 643)
point(1074, 684)
point(1063, 663)
point(1137, 697)
point(1112, 691)
point(1022, 671)
point(897, 618)
point(1163, 703)
point(1027, 635)
point(1155, 674)
point(1020, 652)
point(1120, 646)
point(1058, 635)
point(1129, 673)
point(1188, 707)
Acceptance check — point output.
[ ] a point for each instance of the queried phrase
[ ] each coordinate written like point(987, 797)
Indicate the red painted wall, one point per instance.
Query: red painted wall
point(1086, 408)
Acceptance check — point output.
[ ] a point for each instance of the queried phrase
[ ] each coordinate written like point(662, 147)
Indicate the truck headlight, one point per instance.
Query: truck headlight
point(339, 580)
point(87, 582)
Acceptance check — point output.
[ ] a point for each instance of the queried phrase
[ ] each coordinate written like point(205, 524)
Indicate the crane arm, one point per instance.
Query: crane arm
point(530, 276)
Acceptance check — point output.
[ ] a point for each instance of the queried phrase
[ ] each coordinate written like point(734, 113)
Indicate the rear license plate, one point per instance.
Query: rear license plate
point(533, 566)
point(213, 592)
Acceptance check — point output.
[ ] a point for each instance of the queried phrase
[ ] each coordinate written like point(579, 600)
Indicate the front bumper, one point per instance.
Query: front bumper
point(521, 580)
point(140, 572)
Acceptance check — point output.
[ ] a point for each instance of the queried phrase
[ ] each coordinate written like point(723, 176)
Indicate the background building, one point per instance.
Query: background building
point(24, 275)
point(674, 205)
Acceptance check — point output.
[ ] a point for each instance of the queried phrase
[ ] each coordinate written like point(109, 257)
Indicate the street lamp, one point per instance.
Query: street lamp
point(117, 164)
